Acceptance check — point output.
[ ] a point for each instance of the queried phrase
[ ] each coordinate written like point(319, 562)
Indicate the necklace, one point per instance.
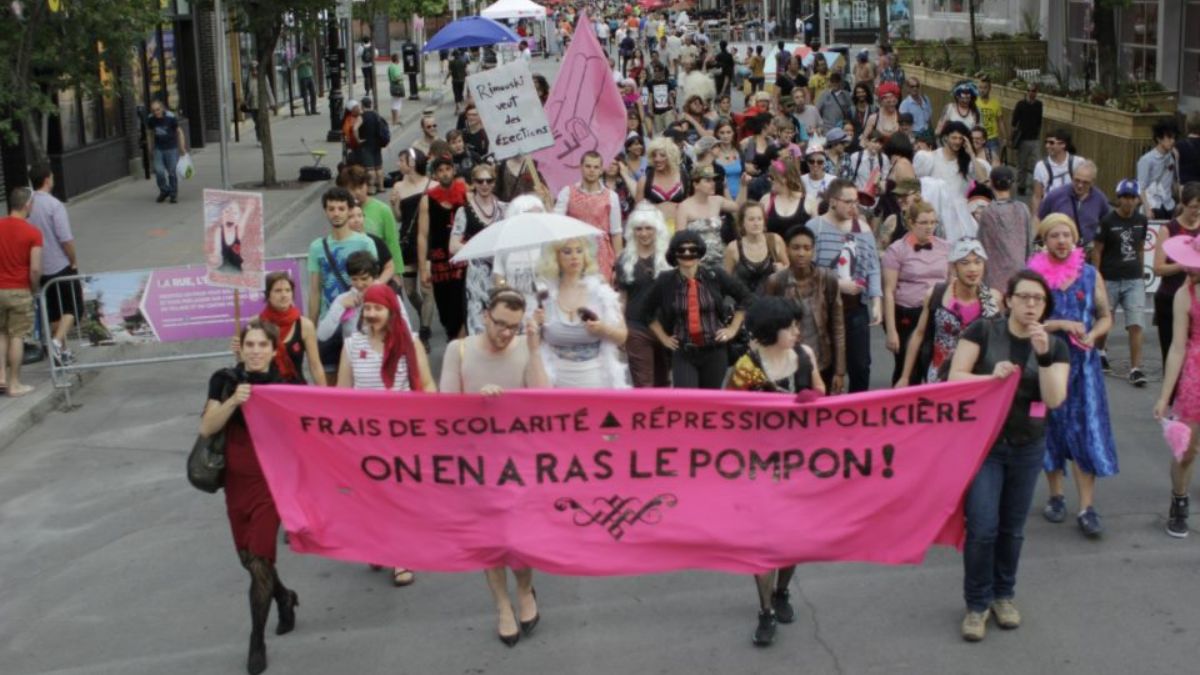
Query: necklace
point(487, 217)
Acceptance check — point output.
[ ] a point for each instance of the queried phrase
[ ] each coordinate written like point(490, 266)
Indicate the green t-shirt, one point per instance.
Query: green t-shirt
point(379, 221)
point(989, 116)
point(304, 67)
point(395, 73)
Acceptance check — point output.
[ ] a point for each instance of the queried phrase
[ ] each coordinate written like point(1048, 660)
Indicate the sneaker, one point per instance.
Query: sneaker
point(1104, 363)
point(1177, 520)
point(174, 199)
point(974, 626)
point(765, 633)
point(1056, 509)
point(162, 197)
point(1007, 616)
point(1137, 378)
point(56, 352)
point(783, 608)
point(1089, 522)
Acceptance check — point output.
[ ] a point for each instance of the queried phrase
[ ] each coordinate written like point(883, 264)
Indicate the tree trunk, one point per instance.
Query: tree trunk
point(265, 51)
point(1104, 21)
point(31, 130)
point(884, 38)
point(974, 45)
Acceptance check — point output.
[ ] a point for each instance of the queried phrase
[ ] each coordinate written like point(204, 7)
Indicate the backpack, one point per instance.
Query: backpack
point(1050, 170)
point(384, 134)
point(368, 54)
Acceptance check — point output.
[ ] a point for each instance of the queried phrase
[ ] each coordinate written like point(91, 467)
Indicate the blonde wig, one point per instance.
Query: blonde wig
point(643, 214)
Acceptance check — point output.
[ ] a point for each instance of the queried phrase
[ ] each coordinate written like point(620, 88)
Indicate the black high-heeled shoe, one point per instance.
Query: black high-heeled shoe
point(528, 626)
point(287, 614)
point(510, 640)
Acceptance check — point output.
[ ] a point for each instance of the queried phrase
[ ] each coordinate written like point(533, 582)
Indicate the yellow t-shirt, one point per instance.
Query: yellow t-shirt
point(989, 114)
point(818, 83)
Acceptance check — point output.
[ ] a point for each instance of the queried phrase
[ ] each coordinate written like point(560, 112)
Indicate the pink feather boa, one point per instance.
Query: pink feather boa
point(1059, 275)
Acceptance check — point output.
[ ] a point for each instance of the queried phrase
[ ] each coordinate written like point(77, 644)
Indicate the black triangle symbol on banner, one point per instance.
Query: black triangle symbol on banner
point(610, 422)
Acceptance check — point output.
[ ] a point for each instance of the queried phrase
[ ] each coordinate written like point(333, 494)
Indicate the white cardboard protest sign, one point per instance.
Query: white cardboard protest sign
point(510, 110)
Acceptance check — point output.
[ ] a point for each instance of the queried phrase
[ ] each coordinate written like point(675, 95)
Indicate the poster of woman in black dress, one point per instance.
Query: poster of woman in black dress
point(234, 242)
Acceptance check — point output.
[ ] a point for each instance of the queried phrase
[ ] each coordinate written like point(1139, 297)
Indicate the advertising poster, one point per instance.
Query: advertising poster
point(234, 241)
point(173, 304)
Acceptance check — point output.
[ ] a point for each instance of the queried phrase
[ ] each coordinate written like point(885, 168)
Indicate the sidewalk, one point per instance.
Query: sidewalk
point(120, 227)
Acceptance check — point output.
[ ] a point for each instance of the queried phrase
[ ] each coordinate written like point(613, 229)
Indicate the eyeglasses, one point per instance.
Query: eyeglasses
point(844, 200)
point(503, 326)
point(813, 162)
point(1030, 298)
point(484, 181)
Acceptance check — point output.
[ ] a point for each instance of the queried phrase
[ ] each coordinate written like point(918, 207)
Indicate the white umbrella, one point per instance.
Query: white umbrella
point(524, 231)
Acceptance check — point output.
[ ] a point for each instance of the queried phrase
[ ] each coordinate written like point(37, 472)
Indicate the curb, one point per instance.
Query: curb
point(15, 421)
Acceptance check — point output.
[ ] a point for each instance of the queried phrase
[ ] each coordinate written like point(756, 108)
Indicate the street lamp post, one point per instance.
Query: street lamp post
point(334, 61)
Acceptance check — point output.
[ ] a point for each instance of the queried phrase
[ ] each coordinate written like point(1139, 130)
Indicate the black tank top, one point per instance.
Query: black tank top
point(779, 224)
point(753, 274)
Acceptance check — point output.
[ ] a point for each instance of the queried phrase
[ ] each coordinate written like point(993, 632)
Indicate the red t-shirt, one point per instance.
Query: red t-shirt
point(17, 237)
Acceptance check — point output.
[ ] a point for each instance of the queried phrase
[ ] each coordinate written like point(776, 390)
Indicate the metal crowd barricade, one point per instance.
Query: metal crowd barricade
point(64, 375)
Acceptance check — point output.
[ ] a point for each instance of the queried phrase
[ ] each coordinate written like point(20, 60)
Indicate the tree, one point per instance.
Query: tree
point(264, 21)
point(83, 44)
point(975, 61)
point(397, 10)
point(884, 38)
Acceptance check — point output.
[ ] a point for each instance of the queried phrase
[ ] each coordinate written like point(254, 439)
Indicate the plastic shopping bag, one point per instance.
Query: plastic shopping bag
point(184, 167)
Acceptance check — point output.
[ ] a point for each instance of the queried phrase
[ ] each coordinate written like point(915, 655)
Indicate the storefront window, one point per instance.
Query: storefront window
point(1139, 40)
point(69, 119)
point(1081, 48)
point(1190, 81)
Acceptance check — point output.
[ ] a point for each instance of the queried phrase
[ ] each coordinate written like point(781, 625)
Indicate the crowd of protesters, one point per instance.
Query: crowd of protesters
point(768, 212)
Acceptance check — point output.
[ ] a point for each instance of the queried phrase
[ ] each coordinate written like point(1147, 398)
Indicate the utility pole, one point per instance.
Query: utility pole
point(222, 92)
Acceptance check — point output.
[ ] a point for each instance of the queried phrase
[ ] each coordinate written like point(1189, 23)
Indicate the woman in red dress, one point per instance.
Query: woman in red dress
point(252, 515)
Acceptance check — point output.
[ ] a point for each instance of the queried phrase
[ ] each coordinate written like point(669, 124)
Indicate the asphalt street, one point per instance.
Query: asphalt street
point(110, 563)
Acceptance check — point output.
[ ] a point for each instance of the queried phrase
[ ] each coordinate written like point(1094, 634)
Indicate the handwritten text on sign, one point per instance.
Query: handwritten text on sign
point(510, 110)
point(607, 482)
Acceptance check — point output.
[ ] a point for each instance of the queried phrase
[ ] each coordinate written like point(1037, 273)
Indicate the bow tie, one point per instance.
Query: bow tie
point(927, 246)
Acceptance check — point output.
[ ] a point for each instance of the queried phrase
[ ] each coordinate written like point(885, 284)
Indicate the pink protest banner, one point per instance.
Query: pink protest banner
point(608, 482)
point(584, 108)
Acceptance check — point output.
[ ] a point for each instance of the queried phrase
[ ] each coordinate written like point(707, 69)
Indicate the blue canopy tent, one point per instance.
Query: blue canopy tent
point(470, 31)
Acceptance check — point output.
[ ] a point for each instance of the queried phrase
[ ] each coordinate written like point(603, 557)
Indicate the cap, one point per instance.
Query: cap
point(704, 145)
point(965, 247)
point(817, 148)
point(835, 135)
point(1128, 188)
point(351, 104)
point(703, 171)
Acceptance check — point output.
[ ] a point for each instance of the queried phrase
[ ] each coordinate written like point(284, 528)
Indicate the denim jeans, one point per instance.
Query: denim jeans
point(997, 504)
point(858, 347)
point(165, 160)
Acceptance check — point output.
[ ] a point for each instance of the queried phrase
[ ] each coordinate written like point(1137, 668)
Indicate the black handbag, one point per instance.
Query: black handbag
point(396, 88)
point(206, 461)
